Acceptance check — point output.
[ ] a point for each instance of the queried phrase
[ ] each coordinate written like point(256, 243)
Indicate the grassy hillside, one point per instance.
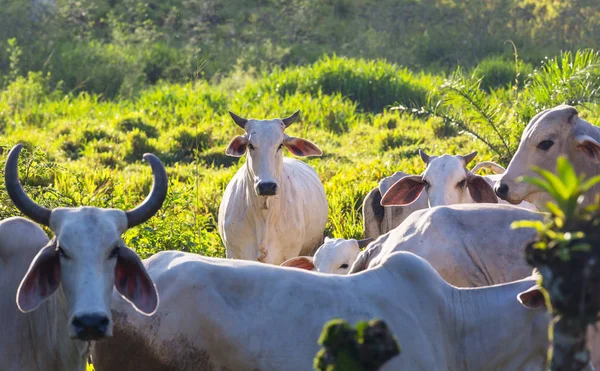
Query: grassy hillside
point(83, 150)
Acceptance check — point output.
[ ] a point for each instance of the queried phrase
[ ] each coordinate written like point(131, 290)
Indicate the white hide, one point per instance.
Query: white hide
point(335, 256)
point(272, 317)
point(272, 228)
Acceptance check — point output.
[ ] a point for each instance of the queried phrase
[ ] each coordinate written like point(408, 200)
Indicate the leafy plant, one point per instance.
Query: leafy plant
point(364, 348)
point(567, 254)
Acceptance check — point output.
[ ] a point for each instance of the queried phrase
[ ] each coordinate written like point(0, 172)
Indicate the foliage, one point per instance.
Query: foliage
point(499, 117)
point(368, 347)
point(566, 254)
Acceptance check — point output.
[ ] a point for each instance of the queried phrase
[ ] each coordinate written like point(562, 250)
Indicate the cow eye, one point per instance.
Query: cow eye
point(114, 253)
point(427, 185)
point(344, 266)
point(62, 253)
point(461, 184)
point(251, 146)
point(545, 145)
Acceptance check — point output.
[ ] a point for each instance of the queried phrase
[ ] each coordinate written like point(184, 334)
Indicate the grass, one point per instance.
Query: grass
point(82, 149)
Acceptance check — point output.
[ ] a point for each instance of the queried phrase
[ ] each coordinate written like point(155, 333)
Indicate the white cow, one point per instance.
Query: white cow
point(551, 133)
point(274, 208)
point(446, 181)
point(470, 245)
point(219, 314)
point(65, 293)
point(336, 256)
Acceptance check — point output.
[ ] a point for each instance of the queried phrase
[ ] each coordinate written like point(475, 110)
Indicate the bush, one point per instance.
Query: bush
point(183, 143)
point(497, 72)
point(136, 144)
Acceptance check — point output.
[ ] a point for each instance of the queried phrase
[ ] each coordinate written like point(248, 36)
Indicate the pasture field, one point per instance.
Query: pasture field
point(82, 149)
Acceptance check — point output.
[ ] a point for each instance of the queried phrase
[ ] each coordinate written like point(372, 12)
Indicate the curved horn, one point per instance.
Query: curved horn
point(290, 120)
point(424, 156)
point(240, 121)
point(498, 169)
point(155, 199)
point(364, 243)
point(468, 158)
point(16, 193)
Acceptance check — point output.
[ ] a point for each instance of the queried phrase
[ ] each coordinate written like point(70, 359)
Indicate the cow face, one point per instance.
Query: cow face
point(264, 141)
point(87, 257)
point(550, 134)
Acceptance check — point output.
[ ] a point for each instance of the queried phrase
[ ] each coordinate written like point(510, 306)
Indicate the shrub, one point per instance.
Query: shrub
point(136, 144)
point(496, 72)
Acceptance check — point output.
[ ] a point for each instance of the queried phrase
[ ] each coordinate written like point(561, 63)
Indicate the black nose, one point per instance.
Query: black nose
point(502, 190)
point(266, 188)
point(90, 326)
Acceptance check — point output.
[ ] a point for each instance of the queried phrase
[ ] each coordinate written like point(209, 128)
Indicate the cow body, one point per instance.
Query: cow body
point(231, 315)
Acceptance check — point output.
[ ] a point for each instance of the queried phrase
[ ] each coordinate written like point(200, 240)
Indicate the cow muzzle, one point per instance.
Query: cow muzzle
point(89, 327)
point(266, 188)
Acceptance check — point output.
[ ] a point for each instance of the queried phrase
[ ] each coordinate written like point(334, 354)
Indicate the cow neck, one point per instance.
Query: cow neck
point(491, 329)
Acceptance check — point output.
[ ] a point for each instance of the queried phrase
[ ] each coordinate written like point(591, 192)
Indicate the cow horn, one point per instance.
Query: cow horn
point(364, 243)
point(240, 121)
point(17, 194)
point(155, 199)
point(424, 156)
point(290, 119)
point(468, 158)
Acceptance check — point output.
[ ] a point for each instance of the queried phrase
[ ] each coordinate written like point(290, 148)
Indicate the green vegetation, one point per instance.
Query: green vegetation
point(367, 347)
point(566, 255)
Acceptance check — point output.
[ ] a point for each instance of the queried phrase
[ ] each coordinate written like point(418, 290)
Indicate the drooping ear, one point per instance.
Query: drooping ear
point(532, 298)
point(424, 156)
point(301, 147)
point(480, 190)
point(237, 147)
point(468, 158)
point(364, 243)
point(404, 192)
point(290, 119)
point(589, 146)
point(133, 282)
point(41, 280)
point(300, 262)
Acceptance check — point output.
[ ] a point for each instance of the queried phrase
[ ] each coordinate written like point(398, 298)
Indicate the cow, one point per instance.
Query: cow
point(470, 245)
point(377, 219)
point(274, 208)
point(335, 256)
point(64, 285)
point(554, 132)
point(219, 314)
point(446, 181)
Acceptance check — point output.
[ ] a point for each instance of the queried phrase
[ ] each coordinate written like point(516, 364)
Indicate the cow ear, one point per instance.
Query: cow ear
point(237, 147)
point(404, 192)
point(589, 146)
point(300, 262)
point(133, 282)
point(301, 147)
point(532, 298)
point(41, 280)
point(480, 190)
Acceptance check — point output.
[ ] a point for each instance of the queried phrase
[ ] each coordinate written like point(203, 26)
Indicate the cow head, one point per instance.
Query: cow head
point(87, 256)
point(550, 134)
point(446, 180)
point(336, 256)
point(264, 141)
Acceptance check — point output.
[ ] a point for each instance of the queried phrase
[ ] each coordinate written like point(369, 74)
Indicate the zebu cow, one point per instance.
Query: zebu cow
point(446, 181)
point(274, 208)
point(470, 245)
point(66, 291)
point(551, 133)
point(336, 256)
point(219, 314)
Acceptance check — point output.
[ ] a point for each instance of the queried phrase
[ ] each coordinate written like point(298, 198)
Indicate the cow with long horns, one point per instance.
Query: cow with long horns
point(274, 208)
point(65, 293)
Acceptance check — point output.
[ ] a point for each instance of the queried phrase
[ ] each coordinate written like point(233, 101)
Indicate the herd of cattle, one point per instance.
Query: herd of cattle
point(440, 264)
